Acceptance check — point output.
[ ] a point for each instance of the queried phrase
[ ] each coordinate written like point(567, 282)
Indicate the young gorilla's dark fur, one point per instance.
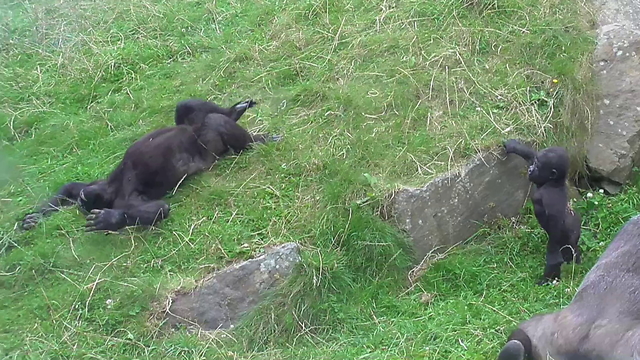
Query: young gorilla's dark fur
point(602, 321)
point(548, 170)
point(155, 165)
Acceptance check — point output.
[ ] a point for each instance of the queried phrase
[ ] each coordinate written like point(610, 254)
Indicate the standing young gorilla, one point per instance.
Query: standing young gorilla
point(602, 321)
point(155, 165)
point(548, 170)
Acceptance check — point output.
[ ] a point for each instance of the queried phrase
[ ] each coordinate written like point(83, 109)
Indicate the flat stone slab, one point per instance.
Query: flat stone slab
point(451, 208)
point(220, 301)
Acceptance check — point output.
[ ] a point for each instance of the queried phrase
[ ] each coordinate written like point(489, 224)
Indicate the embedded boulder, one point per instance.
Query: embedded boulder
point(451, 208)
point(615, 147)
point(220, 301)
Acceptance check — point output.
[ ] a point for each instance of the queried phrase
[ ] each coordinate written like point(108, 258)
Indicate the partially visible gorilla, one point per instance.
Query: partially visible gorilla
point(548, 170)
point(602, 321)
point(155, 165)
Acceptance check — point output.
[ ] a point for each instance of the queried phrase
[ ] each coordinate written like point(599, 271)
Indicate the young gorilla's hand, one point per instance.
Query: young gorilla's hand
point(511, 145)
point(31, 220)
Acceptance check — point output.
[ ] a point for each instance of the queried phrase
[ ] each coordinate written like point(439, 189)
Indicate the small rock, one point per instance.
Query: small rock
point(611, 187)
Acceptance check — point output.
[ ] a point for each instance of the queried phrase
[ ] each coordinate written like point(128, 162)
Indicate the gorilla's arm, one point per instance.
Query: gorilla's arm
point(516, 147)
point(66, 196)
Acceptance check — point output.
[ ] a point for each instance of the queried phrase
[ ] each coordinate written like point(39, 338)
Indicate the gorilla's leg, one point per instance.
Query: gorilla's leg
point(574, 224)
point(66, 196)
point(578, 256)
point(238, 109)
point(144, 213)
point(194, 111)
point(553, 265)
point(571, 253)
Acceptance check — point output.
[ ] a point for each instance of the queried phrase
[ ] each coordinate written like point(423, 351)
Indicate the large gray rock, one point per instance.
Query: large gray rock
point(615, 148)
point(451, 208)
point(221, 300)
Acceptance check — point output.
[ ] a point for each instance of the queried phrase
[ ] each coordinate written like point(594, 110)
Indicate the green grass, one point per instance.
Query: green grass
point(370, 95)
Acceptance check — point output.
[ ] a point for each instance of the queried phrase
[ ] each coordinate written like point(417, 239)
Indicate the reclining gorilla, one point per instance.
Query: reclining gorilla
point(548, 170)
point(155, 165)
point(602, 321)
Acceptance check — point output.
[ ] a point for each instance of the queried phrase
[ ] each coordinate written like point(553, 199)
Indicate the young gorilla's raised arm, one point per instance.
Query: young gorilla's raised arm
point(525, 152)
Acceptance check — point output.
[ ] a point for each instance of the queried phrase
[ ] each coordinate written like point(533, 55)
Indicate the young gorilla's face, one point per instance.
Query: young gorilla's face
point(533, 169)
point(543, 168)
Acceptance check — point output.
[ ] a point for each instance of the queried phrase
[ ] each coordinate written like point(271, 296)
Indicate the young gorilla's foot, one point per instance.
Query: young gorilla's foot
point(547, 281)
point(247, 104)
point(550, 275)
point(105, 220)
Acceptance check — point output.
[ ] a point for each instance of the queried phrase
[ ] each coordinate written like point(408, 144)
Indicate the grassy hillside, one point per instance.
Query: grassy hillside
point(369, 95)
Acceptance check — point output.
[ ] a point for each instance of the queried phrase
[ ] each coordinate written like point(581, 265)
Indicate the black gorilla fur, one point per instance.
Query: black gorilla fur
point(155, 165)
point(548, 170)
point(601, 322)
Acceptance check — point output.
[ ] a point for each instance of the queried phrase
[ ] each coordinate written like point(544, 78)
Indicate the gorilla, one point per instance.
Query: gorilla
point(548, 170)
point(155, 165)
point(602, 322)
